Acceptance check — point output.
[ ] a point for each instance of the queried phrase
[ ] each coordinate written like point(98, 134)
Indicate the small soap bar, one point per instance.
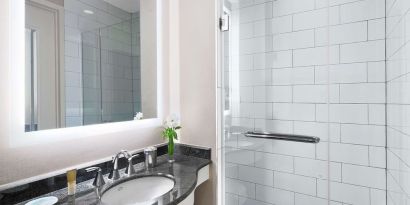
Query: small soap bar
point(71, 181)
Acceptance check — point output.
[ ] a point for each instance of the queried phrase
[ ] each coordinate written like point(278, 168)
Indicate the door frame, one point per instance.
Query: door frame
point(58, 12)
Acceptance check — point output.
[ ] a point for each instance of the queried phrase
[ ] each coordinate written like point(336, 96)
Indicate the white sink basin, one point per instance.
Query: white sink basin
point(139, 191)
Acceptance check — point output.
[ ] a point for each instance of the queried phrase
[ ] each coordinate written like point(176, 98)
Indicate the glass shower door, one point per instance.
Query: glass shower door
point(269, 60)
point(311, 68)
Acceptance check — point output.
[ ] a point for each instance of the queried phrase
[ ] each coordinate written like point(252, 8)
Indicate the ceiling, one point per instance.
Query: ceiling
point(130, 6)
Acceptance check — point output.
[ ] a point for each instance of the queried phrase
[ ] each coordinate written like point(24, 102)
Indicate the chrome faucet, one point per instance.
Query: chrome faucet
point(115, 174)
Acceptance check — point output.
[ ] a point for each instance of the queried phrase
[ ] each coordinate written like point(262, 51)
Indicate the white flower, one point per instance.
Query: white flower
point(172, 121)
point(138, 116)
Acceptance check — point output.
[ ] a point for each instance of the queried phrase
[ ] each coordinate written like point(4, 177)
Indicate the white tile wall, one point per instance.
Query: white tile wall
point(119, 58)
point(284, 55)
point(398, 166)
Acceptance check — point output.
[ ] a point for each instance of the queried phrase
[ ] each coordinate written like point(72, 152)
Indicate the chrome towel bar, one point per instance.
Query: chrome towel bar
point(281, 136)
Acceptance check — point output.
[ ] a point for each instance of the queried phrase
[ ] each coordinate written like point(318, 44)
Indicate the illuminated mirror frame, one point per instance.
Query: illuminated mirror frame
point(17, 136)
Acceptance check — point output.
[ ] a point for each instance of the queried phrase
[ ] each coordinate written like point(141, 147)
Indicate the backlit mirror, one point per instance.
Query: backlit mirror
point(89, 62)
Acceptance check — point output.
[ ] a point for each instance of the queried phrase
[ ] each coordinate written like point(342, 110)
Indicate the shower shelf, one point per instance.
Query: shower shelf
point(281, 136)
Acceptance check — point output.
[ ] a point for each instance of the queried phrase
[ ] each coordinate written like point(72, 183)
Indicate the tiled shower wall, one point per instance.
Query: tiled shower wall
point(84, 101)
point(398, 102)
point(76, 23)
point(278, 81)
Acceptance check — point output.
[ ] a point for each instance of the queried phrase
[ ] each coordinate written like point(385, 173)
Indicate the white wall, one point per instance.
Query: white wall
point(197, 82)
point(398, 135)
point(279, 83)
point(17, 163)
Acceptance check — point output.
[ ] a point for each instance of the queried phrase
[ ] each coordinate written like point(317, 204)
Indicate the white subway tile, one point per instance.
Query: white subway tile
point(281, 94)
point(281, 24)
point(339, 34)
point(255, 45)
point(231, 199)
point(318, 168)
point(378, 197)
point(362, 93)
point(281, 7)
point(245, 30)
point(275, 196)
point(362, 10)
point(247, 201)
point(363, 134)
point(263, 60)
point(316, 56)
point(255, 77)
point(243, 62)
point(377, 29)
point(376, 71)
point(256, 12)
point(246, 94)
point(323, 130)
point(349, 193)
point(281, 59)
point(274, 162)
point(342, 113)
point(347, 153)
point(294, 40)
point(294, 149)
point(262, 110)
point(256, 175)
point(341, 73)
point(287, 111)
point(241, 188)
point(262, 28)
point(257, 144)
point(293, 76)
point(363, 51)
point(301, 199)
point(364, 176)
point(316, 18)
point(231, 170)
point(310, 94)
point(296, 183)
point(239, 156)
point(280, 126)
point(377, 157)
point(377, 114)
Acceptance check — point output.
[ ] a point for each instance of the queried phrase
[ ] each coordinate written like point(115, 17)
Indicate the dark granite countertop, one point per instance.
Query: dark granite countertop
point(184, 170)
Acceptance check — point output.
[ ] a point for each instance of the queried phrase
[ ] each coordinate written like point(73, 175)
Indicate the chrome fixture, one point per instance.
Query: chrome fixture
point(280, 136)
point(98, 180)
point(130, 169)
point(150, 157)
point(115, 174)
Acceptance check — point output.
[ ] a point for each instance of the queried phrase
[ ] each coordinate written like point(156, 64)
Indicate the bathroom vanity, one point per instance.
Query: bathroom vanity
point(182, 177)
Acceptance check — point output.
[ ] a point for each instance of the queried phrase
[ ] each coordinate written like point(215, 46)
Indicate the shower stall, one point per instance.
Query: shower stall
point(315, 103)
point(111, 72)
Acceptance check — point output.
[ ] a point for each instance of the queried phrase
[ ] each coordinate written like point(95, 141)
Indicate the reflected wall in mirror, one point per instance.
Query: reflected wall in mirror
point(85, 62)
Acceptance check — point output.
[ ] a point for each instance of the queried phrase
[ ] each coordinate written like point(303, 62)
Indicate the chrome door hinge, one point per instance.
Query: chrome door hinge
point(224, 22)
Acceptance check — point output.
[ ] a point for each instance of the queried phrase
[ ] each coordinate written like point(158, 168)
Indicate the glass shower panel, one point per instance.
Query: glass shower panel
point(91, 77)
point(117, 78)
point(270, 57)
point(111, 72)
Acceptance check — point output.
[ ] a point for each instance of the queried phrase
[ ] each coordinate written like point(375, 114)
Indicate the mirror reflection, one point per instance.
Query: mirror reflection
point(83, 63)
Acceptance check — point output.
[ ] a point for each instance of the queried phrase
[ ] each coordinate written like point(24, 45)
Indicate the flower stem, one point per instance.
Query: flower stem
point(170, 146)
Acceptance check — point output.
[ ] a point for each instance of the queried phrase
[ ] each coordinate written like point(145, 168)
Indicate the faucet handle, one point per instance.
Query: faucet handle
point(99, 179)
point(130, 169)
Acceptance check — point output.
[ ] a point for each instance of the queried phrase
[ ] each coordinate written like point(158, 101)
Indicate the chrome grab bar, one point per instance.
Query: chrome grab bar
point(281, 136)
